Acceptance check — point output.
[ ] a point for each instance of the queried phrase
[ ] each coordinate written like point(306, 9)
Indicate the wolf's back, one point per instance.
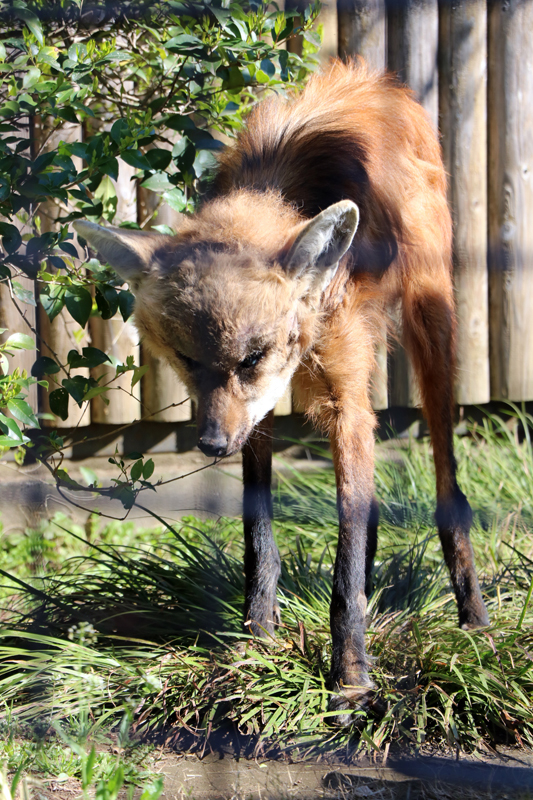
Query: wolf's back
point(351, 134)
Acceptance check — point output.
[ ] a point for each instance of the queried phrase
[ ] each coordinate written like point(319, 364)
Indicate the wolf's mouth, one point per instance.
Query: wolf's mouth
point(221, 447)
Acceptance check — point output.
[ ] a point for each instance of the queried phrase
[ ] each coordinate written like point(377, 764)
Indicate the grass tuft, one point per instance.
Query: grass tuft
point(147, 623)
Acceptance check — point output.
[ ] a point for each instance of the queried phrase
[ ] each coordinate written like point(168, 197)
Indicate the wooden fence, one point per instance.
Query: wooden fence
point(470, 63)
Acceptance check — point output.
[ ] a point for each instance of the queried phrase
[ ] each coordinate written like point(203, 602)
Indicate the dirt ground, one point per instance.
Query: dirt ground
point(402, 779)
point(508, 776)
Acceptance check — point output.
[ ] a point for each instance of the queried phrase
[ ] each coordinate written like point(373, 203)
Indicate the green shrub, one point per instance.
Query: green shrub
point(153, 86)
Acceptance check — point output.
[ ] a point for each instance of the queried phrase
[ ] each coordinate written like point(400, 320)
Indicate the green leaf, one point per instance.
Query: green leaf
point(58, 400)
point(119, 130)
point(84, 108)
point(126, 303)
point(32, 21)
point(157, 183)
point(7, 441)
point(22, 411)
point(48, 55)
point(107, 194)
point(4, 188)
point(67, 113)
point(79, 304)
point(176, 199)
point(69, 248)
point(78, 386)
point(31, 77)
point(268, 67)
point(136, 470)
point(89, 476)
point(138, 372)
point(148, 469)
point(180, 122)
point(159, 159)
point(107, 300)
point(11, 238)
point(153, 790)
point(183, 43)
point(96, 391)
point(109, 167)
point(52, 298)
point(235, 79)
point(135, 159)
point(133, 456)
point(313, 38)
point(125, 494)
point(10, 428)
point(80, 149)
point(166, 229)
point(44, 366)
point(24, 295)
point(92, 357)
point(20, 341)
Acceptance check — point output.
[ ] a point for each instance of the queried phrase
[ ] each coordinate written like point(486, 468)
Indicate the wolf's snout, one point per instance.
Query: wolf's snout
point(212, 441)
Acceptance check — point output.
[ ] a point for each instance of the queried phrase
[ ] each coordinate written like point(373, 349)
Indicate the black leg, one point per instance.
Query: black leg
point(371, 544)
point(261, 556)
point(430, 326)
point(353, 458)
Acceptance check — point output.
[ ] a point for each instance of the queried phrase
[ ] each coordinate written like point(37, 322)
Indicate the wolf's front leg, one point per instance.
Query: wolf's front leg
point(353, 458)
point(261, 556)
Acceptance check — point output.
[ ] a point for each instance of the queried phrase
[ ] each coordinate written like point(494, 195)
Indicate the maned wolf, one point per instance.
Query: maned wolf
point(329, 209)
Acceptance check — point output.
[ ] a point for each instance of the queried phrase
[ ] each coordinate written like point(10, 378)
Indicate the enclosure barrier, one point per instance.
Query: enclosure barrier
point(471, 65)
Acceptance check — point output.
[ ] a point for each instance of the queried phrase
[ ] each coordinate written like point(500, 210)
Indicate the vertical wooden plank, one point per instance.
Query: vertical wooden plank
point(511, 198)
point(56, 339)
point(164, 396)
point(412, 43)
point(25, 320)
point(295, 44)
point(14, 321)
point(362, 31)
point(463, 111)
point(327, 21)
point(115, 337)
point(63, 333)
point(330, 33)
point(284, 405)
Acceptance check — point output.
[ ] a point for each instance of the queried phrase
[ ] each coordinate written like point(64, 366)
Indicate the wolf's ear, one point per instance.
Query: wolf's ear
point(322, 242)
point(129, 252)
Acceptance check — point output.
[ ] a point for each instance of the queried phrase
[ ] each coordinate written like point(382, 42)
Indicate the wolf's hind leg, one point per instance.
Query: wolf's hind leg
point(429, 329)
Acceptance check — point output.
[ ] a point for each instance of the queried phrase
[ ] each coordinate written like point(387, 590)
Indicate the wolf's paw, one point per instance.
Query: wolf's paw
point(476, 624)
point(264, 625)
point(474, 616)
point(342, 706)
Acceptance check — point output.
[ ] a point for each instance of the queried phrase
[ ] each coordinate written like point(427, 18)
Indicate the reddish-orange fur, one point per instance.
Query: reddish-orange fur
point(254, 272)
point(357, 135)
point(398, 182)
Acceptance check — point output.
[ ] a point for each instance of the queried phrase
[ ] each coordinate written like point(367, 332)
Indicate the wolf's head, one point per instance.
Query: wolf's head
point(231, 302)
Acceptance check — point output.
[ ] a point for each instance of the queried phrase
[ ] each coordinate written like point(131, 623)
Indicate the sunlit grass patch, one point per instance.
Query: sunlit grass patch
point(149, 623)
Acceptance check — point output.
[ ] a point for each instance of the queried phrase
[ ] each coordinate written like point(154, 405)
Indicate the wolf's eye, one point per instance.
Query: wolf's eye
point(252, 360)
point(189, 362)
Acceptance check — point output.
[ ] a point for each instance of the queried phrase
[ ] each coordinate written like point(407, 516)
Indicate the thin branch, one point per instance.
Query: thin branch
point(127, 425)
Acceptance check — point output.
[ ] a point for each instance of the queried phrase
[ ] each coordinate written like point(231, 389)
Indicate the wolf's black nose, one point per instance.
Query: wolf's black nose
point(213, 442)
